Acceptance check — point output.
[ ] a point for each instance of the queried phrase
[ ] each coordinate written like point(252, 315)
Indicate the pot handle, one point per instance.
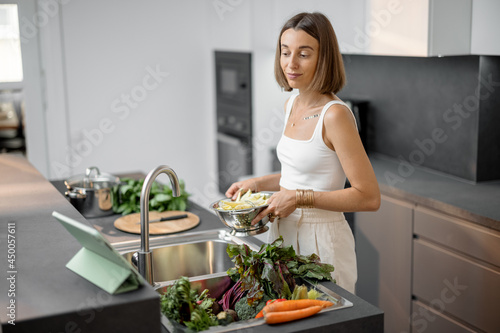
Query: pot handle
point(88, 172)
point(75, 195)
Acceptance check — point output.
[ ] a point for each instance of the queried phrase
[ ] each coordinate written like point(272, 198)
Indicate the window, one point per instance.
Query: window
point(11, 69)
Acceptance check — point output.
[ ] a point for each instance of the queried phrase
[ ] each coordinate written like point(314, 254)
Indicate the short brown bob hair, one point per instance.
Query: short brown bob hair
point(330, 74)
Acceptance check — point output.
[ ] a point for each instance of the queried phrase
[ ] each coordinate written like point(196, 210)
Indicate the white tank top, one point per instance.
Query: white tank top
point(309, 164)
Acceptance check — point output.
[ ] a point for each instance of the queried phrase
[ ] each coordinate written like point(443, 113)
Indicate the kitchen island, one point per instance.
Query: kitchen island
point(48, 297)
point(43, 294)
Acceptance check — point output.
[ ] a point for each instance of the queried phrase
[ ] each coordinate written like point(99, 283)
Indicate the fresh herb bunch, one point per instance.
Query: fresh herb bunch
point(273, 269)
point(127, 197)
point(182, 304)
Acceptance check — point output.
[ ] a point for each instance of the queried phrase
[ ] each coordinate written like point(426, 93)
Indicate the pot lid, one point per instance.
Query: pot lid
point(92, 179)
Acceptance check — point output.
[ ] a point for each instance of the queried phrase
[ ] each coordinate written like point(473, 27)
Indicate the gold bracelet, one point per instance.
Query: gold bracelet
point(304, 198)
point(308, 199)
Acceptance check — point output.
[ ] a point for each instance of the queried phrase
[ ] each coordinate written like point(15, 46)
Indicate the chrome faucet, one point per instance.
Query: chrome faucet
point(145, 255)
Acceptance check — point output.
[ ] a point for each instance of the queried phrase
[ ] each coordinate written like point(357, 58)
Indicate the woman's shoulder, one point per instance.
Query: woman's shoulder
point(338, 112)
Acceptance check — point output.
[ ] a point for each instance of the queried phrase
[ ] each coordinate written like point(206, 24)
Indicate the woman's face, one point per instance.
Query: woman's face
point(299, 56)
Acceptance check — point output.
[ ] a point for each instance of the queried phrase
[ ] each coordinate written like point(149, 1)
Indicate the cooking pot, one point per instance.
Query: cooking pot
point(92, 193)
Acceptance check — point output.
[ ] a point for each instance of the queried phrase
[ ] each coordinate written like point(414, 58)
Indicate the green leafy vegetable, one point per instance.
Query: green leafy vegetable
point(272, 270)
point(127, 197)
point(182, 304)
point(201, 320)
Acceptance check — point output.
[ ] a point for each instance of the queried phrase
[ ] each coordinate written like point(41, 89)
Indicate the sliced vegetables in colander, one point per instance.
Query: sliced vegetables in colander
point(245, 201)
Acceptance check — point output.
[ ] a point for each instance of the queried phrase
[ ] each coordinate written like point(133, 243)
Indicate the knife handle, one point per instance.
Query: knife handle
point(170, 218)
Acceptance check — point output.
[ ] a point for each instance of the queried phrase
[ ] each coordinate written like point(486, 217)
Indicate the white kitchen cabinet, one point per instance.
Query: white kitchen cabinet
point(384, 254)
point(485, 27)
point(422, 28)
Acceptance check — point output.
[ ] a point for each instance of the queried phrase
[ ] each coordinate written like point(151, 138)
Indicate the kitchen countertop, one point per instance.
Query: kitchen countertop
point(47, 296)
point(105, 224)
point(51, 298)
point(362, 317)
point(475, 202)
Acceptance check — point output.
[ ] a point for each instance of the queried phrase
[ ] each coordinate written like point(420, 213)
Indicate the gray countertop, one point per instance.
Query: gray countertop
point(51, 298)
point(362, 317)
point(48, 297)
point(475, 202)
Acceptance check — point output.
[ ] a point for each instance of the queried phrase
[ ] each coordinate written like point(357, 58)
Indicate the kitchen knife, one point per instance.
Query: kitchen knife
point(168, 218)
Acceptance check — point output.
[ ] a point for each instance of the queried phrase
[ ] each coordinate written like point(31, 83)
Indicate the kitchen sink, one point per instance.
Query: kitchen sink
point(202, 257)
point(190, 254)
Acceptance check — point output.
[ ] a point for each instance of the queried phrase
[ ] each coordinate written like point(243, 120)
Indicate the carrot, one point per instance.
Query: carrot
point(260, 314)
point(284, 316)
point(275, 300)
point(297, 304)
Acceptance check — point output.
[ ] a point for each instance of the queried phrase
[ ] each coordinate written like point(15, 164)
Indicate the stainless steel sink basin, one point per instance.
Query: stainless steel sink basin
point(191, 254)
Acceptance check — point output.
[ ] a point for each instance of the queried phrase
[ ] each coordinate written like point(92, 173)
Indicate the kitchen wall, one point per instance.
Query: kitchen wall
point(127, 86)
point(439, 113)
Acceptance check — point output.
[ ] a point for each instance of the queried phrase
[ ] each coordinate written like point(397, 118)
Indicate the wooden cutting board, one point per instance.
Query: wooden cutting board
point(129, 223)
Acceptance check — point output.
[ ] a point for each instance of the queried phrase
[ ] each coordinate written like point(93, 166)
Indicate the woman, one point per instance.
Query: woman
point(320, 147)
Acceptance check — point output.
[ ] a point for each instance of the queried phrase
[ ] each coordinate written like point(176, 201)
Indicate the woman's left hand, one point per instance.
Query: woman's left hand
point(281, 204)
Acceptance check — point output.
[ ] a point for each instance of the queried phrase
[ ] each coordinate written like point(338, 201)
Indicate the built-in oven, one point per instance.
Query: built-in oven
point(234, 116)
point(234, 160)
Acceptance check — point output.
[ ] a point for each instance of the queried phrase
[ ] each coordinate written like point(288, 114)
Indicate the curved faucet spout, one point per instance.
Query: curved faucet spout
point(145, 260)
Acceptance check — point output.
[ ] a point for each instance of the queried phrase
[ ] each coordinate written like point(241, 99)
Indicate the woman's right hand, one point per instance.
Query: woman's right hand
point(242, 186)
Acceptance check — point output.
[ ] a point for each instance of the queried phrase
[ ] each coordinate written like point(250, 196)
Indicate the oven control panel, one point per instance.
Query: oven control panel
point(231, 124)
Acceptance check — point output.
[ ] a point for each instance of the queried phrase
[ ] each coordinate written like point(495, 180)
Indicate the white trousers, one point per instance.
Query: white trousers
point(325, 233)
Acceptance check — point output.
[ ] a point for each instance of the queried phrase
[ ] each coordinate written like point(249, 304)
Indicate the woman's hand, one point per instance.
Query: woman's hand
point(243, 186)
point(281, 204)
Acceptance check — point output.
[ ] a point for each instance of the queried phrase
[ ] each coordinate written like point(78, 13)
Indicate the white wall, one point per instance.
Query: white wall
point(35, 128)
point(128, 87)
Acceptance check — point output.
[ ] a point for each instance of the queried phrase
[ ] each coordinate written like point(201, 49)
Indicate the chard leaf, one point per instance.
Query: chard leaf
point(272, 270)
